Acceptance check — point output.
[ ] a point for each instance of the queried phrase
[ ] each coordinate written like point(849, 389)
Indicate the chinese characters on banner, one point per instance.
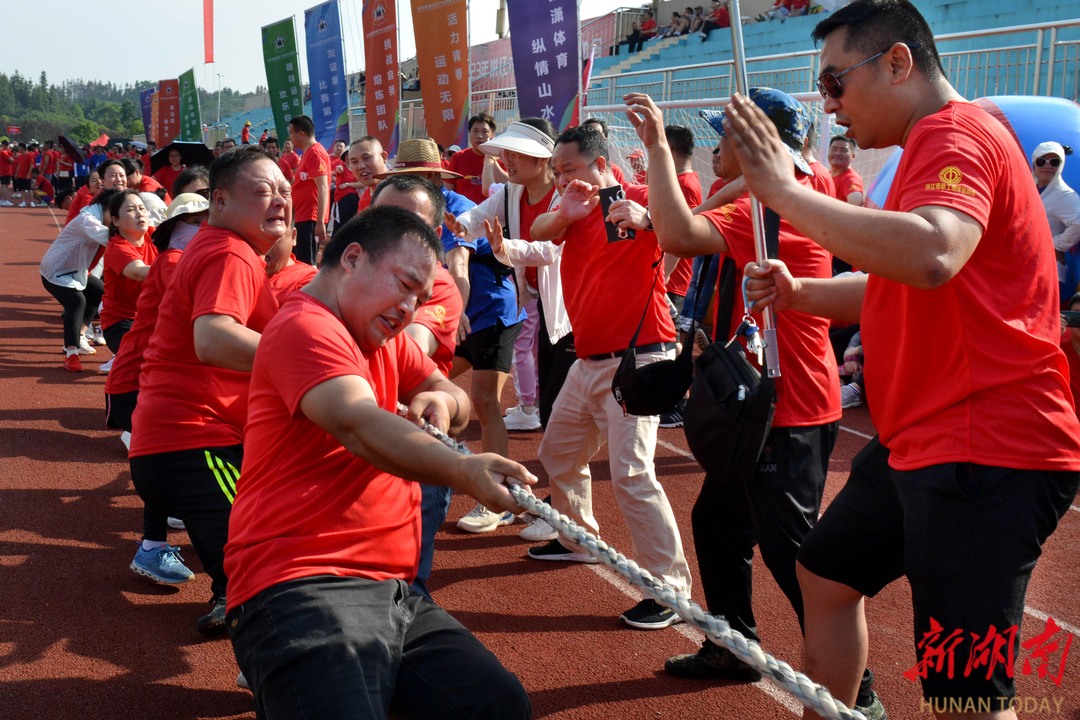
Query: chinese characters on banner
point(146, 105)
point(381, 86)
point(282, 74)
point(544, 40)
point(442, 58)
point(326, 73)
point(190, 117)
point(168, 116)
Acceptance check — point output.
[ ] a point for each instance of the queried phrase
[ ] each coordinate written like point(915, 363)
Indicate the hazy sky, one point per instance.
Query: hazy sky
point(125, 42)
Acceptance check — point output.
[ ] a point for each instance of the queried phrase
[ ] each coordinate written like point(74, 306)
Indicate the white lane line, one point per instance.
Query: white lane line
point(1074, 508)
point(1040, 615)
point(692, 633)
point(674, 448)
point(856, 432)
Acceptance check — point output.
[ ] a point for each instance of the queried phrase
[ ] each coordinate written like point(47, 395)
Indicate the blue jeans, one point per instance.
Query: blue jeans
point(434, 504)
point(699, 293)
point(333, 647)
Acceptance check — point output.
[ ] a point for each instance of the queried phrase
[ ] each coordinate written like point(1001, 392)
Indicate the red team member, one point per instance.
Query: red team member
point(469, 163)
point(311, 190)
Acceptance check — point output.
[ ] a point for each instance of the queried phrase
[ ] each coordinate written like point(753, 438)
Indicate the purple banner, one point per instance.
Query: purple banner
point(544, 43)
point(146, 103)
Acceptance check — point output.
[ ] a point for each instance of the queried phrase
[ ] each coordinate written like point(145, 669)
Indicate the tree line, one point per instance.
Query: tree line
point(84, 109)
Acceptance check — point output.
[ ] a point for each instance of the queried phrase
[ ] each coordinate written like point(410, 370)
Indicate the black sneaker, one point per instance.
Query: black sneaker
point(213, 622)
point(673, 418)
point(711, 662)
point(650, 615)
point(553, 550)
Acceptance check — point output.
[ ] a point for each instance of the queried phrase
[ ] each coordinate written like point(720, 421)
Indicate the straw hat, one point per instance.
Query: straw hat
point(418, 156)
point(182, 204)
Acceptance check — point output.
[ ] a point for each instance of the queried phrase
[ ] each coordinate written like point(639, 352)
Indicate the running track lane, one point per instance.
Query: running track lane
point(81, 636)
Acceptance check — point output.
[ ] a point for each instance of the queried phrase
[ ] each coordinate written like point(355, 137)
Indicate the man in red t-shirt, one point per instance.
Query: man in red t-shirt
point(469, 163)
point(346, 197)
point(327, 517)
point(24, 163)
point(7, 171)
point(288, 160)
point(188, 427)
point(310, 189)
point(603, 286)
point(978, 460)
point(847, 183)
point(776, 506)
point(434, 328)
point(245, 134)
point(367, 160)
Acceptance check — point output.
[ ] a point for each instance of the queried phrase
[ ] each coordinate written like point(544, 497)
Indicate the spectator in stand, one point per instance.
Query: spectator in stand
point(127, 261)
point(7, 172)
point(311, 190)
point(469, 163)
point(1062, 206)
point(245, 133)
point(697, 18)
point(66, 276)
point(367, 160)
point(166, 175)
point(264, 137)
point(188, 427)
point(719, 17)
point(643, 30)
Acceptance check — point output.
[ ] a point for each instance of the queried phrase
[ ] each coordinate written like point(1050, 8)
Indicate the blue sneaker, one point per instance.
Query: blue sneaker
point(162, 564)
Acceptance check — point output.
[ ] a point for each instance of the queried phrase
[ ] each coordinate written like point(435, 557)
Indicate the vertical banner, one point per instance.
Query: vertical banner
point(146, 105)
point(168, 120)
point(155, 113)
point(326, 73)
point(208, 30)
point(190, 116)
point(544, 41)
point(282, 74)
point(381, 99)
point(442, 58)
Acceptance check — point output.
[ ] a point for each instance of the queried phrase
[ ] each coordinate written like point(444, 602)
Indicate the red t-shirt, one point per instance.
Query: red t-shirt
point(1074, 366)
point(124, 376)
point(617, 171)
point(23, 165)
point(846, 183)
point(717, 186)
point(822, 180)
point(604, 284)
point(972, 371)
point(365, 200)
point(528, 214)
point(288, 162)
point(679, 281)
point(167, 176)
point(442, 315)
point(245, 135)
point(48, 163)
point(121, 292)
point(808, 389)
point(470, 164)
point(45, 186)
point(305, 505)
point(67, 164)
point(150, 185)
point(291, 277)
point(82, 199)
point(313, 163)
point(184, 403)
point(342, 176)
point(648, 27)
point(6, 164)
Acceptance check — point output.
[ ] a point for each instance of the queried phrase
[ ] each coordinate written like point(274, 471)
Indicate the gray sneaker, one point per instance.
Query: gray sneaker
point(213, 622)
point(875, 710)
point(162, 564)
point(711, 662)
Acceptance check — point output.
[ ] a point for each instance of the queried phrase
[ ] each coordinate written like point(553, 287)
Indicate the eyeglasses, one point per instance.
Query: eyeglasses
point(828, 84)
point(1054, 162)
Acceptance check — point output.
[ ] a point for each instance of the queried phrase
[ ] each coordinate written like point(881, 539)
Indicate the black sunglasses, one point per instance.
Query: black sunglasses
point(1054, 162)
point(828, 84)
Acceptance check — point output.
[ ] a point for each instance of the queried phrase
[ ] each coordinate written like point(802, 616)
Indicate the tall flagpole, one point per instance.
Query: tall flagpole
point(768, 320)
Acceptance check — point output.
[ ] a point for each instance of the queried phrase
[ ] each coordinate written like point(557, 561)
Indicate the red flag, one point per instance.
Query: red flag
point(208, 30)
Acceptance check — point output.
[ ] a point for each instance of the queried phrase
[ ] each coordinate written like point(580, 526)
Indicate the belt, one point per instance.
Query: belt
point(652, 347)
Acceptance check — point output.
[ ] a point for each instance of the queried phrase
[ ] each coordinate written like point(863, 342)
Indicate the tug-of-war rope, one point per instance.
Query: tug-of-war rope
point(814, 696)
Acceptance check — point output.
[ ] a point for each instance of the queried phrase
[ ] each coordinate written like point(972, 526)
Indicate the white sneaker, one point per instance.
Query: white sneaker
point(94, 336)
point(84, 347)
point(522, 418)
point(539, 531)
point(850, 396)
point(125, 437)
point(482, 520)
point(107, 365)
point(241, 682)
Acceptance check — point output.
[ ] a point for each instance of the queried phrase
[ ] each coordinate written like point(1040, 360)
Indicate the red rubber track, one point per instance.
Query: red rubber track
point(81, 636)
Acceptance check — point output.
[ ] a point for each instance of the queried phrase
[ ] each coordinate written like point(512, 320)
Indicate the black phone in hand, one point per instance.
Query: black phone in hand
point(614, 232)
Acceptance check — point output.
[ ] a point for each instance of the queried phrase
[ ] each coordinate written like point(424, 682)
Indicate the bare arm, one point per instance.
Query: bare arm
point(457, 263)
point(136, 270)
point(838, 298)
point(576, 201)
point(724, 196)
point(924, 248)
point(345, 407)
point(492, 173)
point(679, 231)
point(221, 341)
point(423, 337)
point(322, 205)
point(434, 389)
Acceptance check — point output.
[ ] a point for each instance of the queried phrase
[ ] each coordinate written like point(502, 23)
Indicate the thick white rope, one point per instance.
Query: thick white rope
point(814, 696)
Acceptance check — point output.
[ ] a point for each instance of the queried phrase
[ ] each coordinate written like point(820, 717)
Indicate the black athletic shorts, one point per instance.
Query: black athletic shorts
point(967, 538)
point(491, 348)
point(118, 409)
point(5, 180)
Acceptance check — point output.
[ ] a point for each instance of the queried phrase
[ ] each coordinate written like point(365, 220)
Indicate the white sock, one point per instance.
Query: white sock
point(153, 544)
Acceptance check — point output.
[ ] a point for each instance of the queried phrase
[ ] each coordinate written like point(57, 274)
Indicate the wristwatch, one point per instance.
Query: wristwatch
point(648, 220)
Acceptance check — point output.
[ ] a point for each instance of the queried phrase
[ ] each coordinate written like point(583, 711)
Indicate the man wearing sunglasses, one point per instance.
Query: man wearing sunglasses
point(976, 462)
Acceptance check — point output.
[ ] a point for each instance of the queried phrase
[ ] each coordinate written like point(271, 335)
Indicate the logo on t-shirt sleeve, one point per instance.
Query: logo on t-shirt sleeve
point(437, 313)
point(951, 180)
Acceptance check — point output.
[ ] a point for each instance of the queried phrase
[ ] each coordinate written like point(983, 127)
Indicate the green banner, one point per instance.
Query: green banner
point(282, 74)
point(190, 117)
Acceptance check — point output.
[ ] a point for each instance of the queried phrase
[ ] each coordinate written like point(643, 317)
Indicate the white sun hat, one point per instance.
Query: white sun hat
point(521, 138)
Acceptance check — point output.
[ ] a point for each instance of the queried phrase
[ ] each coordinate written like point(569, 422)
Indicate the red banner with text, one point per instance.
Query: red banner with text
point(167, 127)
point(382, 84)
point(442, 58)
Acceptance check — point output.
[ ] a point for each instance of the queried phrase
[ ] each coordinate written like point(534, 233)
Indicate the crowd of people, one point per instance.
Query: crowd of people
point(268, 315)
